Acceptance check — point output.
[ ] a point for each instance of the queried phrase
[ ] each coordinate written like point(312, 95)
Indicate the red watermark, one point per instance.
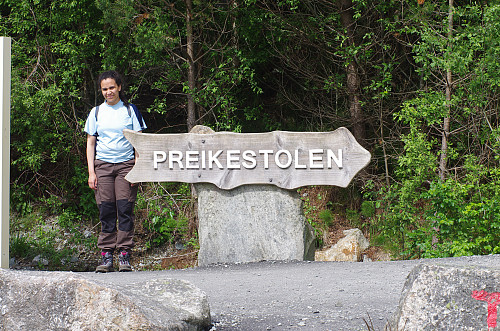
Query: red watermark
point(493, 300)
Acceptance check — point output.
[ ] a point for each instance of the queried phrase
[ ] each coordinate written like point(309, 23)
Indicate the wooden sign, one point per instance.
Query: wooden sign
point(228, 160)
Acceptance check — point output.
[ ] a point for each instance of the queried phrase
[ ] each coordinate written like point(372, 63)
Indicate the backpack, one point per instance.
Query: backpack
point(129, 105)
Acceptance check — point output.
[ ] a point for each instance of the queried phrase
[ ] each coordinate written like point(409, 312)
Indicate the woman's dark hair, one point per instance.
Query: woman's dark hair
point(118, 80)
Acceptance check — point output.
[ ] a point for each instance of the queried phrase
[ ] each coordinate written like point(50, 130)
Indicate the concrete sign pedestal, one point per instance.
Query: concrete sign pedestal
point(252, 223)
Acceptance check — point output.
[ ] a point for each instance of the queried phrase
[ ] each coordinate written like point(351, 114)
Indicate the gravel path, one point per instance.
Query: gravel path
point(299, 295)
point(292, 295)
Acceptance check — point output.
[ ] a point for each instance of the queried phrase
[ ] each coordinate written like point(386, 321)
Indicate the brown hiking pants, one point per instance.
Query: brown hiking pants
point(115, 198)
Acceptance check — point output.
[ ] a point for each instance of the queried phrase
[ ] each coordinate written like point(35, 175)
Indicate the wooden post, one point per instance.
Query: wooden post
point(5, 72)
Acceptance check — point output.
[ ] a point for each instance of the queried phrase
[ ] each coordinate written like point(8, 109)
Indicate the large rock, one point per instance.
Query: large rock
point(350, 248)
point(252, 223)
point(447, 297)
point(66, 301)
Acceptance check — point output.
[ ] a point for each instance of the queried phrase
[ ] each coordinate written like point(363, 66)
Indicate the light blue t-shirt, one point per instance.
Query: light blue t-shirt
point(111, 145)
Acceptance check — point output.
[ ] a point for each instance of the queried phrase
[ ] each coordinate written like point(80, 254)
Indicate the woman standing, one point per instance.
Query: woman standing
point(110, 157)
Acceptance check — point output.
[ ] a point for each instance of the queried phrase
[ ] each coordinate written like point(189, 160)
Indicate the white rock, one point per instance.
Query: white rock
point(349, 248)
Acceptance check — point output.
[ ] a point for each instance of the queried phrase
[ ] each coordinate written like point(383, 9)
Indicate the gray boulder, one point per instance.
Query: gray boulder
point(39, 260)
point(448, 297)
point(66, 301)
point(252, 223)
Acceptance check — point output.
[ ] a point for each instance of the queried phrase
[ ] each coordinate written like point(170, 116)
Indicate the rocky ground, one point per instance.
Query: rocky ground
point(85, 259)
point(168, 256)
point(80, 238)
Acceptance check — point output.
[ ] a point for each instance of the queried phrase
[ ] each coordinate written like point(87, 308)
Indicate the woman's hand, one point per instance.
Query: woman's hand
point(93, 181)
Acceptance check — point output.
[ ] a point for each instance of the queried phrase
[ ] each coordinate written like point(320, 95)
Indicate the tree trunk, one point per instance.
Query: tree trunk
point(449, 82)
point(353, 77)
point(191, 105)
point(233, 5)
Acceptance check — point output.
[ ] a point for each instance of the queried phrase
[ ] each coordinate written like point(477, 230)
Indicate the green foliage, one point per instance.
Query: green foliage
point(27, 249)
point(368, 209)
point(55, 45)
point(166, 219)
point(21, 247)
point(310, 210)
point(166, 225)
point(20, 200)
point(354, 218)
point(194, 242)
point(327, 217)
point(56, 240)
point(463, 218)
point(86, 204)
point(423, 216)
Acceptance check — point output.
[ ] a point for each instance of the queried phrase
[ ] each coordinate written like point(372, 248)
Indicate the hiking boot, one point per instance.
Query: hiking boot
point(107, 262)
point(124, 259)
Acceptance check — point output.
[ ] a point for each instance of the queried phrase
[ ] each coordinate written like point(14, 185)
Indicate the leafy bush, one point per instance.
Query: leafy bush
point(455, 217)
point(327, 217)
point(166, 226)
point(25, 248)
point(21, 247)
point(367, 209)
point(461, 220)
point(166, 212)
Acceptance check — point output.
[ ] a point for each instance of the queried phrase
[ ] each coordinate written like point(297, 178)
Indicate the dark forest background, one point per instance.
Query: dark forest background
point(417, 83)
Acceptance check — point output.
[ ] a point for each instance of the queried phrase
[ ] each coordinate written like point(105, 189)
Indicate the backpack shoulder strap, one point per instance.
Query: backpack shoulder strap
point(137, 114)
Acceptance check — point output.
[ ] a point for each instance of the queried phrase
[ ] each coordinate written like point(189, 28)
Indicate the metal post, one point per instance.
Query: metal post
point(5, 74)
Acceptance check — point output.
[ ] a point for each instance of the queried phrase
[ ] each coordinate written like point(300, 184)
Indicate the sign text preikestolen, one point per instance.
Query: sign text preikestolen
point(285, 159)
